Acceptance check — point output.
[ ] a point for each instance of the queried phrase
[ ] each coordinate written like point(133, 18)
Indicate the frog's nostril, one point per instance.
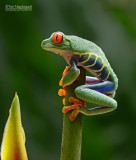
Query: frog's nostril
point(44, 42)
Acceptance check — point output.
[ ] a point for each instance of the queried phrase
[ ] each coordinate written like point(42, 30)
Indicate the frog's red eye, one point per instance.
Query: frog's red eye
point(57, 38)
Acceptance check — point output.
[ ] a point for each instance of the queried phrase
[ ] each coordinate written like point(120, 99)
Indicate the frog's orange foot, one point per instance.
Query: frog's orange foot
point(68, 108)
point(74, 112)
point(77, 104)
point(62, 92)
point(63, 74)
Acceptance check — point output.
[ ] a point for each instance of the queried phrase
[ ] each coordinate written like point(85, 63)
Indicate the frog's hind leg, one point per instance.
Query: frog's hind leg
point(97, 93)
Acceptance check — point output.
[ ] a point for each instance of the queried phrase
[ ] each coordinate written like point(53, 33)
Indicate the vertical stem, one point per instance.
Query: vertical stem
point(72, 130)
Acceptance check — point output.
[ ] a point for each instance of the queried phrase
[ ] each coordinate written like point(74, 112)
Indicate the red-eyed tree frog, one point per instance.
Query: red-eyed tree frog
point(99, 90)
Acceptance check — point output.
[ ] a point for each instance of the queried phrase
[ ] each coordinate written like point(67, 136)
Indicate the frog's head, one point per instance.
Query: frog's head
point(57, 43)
point(64, 45)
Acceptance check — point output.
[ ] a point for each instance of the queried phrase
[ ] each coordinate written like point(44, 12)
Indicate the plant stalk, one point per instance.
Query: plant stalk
point(72, 130)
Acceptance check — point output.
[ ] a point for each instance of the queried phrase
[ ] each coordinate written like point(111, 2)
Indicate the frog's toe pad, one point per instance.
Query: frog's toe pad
point(63, 101)
point(61, 92)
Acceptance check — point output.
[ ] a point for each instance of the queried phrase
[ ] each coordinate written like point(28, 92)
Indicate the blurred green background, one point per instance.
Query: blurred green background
point(35, 73)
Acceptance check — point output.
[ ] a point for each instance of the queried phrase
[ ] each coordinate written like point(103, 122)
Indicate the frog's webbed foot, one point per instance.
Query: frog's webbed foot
point(76, 104)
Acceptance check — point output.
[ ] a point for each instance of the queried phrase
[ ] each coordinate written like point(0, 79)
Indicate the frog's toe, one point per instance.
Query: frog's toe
point(73, 115)
point(75, 107)
point(68, 108)
point(63, 74)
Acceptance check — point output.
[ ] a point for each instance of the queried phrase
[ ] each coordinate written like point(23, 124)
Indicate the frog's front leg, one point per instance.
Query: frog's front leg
point(71, 75)
point(94, 93)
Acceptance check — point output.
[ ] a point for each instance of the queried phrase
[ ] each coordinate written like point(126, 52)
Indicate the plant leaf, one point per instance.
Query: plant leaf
point(13, 143)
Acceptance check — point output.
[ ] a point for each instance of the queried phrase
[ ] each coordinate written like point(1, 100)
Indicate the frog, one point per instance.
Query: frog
point(99, 89)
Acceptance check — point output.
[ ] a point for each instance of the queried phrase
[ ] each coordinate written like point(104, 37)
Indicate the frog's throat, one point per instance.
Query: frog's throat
point(67, 55)
point(56, 50)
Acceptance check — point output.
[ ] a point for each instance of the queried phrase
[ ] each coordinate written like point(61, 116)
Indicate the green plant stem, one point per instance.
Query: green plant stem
point(72, 130)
